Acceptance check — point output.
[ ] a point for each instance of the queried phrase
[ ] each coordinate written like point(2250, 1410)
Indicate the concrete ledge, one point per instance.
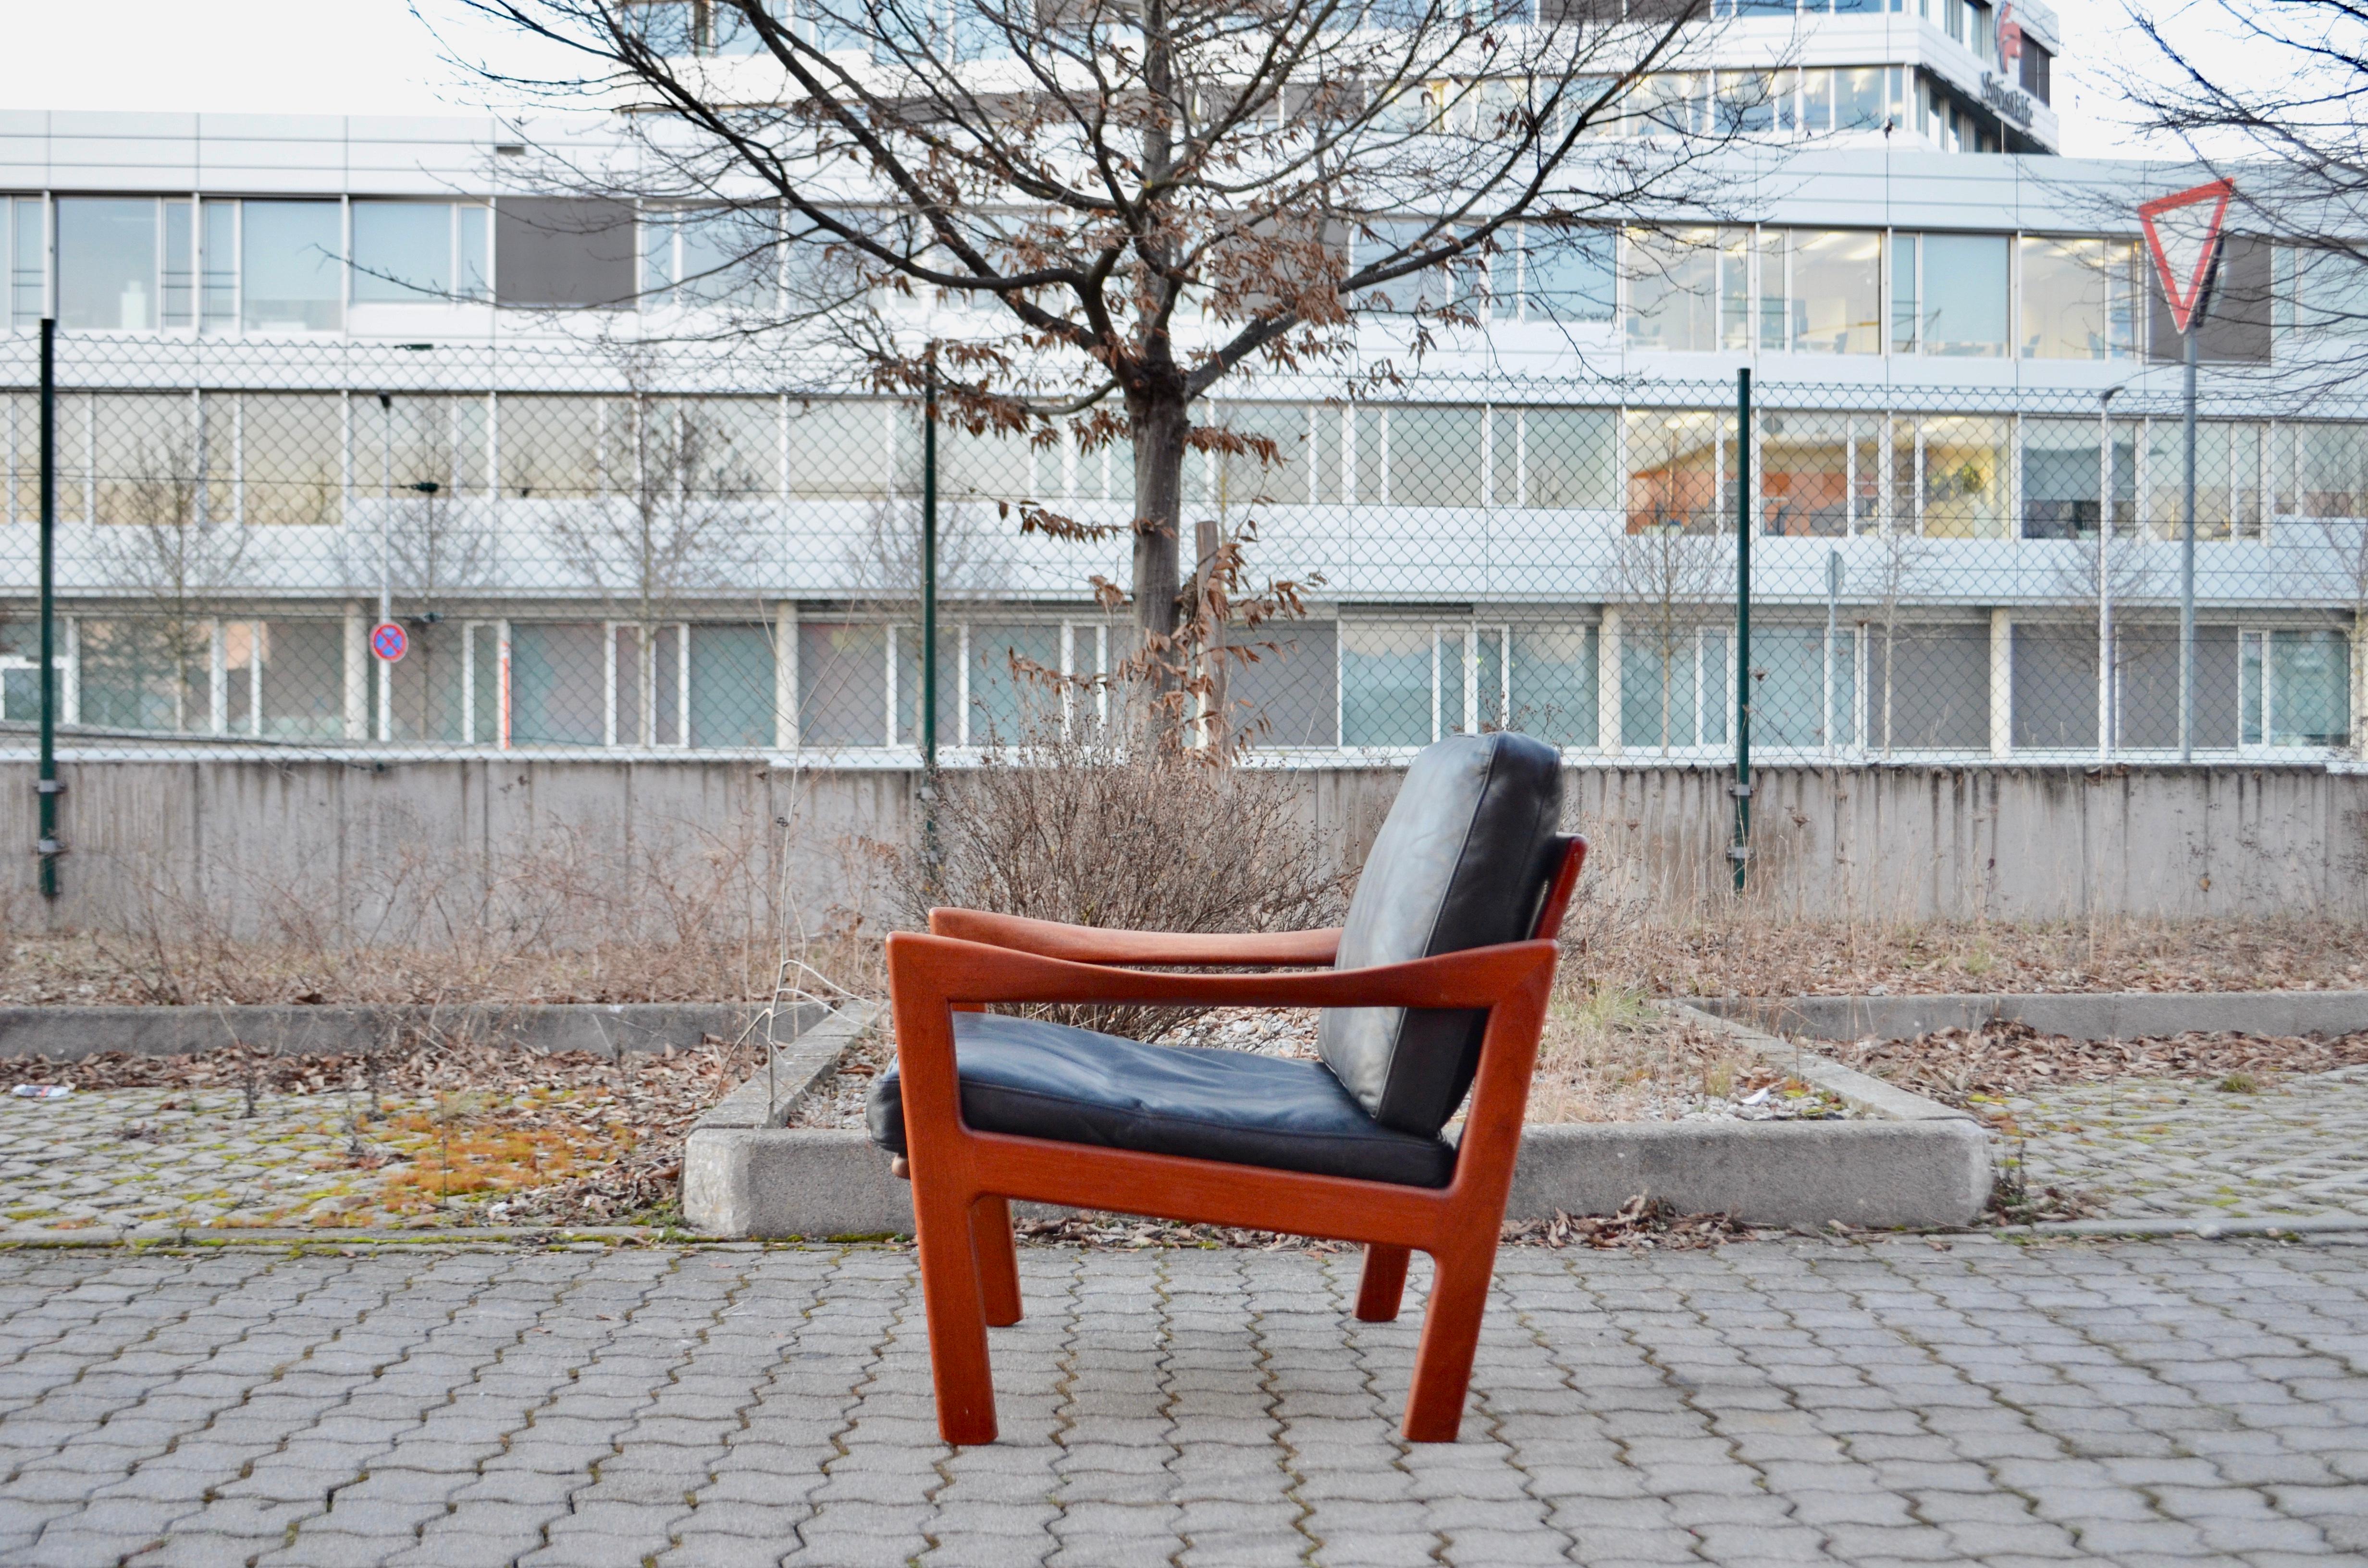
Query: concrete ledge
point(2118, 1014)
point(71, 1033)
point(821, 1183)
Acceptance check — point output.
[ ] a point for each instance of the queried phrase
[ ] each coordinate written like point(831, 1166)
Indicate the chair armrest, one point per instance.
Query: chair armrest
point(1089, 943)
point(947, 970)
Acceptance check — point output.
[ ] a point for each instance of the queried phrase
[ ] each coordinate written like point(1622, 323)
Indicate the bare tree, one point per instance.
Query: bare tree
point(674, 521)
point(1673, 578)
point(1898, 578)
point(158, 540)
point(1095, 211)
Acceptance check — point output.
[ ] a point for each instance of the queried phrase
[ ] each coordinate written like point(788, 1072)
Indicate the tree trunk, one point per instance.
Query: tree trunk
point(1160, 425)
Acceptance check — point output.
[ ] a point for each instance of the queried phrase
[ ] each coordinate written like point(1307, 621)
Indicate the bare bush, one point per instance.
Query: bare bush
point(1082, 831)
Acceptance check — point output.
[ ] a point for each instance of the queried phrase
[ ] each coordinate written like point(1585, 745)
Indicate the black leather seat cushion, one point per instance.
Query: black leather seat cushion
point(1046, 1080)
point(1463, 861)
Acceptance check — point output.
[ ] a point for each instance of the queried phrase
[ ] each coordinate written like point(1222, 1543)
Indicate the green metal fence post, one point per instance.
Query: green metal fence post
point(1741, 851)
point(48, 785)
point(929, 629)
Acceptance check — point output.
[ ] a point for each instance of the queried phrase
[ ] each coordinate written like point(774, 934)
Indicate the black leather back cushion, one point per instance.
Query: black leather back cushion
point(1462, 861)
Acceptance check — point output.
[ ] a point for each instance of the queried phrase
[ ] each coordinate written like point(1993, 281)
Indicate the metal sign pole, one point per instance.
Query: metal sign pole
point(1741, 853)
point(48, 786)
point(2187, 560)
point(929, 629)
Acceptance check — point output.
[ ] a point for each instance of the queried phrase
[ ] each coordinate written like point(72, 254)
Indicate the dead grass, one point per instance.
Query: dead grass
point(1754, 954)
point(563, 1138)
point(2003, 1059)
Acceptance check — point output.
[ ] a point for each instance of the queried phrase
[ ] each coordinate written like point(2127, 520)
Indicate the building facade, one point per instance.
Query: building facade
point(319, 374)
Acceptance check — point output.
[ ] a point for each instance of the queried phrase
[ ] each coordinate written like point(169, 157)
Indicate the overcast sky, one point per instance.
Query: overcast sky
point(377, 57)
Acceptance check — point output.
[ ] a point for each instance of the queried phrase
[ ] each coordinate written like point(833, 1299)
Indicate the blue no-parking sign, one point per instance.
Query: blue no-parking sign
point(389, 642)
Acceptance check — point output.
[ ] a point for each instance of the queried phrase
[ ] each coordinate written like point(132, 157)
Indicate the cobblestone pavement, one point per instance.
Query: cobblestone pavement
point(1776, 1401)
point(2175, 1149)
point(187, 1156)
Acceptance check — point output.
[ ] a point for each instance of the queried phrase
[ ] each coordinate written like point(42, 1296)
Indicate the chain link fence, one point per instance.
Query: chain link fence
point(594, 550)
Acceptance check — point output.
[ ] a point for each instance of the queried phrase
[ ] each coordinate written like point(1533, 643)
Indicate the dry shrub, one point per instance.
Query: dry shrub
point(1091, 833)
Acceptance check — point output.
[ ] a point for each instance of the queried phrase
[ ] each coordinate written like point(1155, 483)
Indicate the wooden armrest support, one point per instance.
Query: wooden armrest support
point(950, 970)
point(1088, 944)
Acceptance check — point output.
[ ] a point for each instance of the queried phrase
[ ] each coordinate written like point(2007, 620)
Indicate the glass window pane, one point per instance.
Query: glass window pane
point(29, 260)
point(1435, 457)
point(146, 674)
point(728, 260)
point(1836, 303)
point(1568, 273)
point(1952, 475)
point(1673, 289)
point(1283, 693)
point(1679, 466)
point(180, 260)
point(2310, 699)
point(1385, 671)
point(304, 679)
point(1964, 295)
point(291, 456)
point(218, 267)
point(731, 685)
point(839, 451)
point(1013, 693)
point(426, 684)
point(559, 684)
point(2060, 477)
point(995, 465)
point(106, 263)
point(1906, 311)
point(1553, 684)
point(550, 447)
point(403, 250)
point(475, 282)
point(1243, 479)
point(2078, 299)
point(1567, 457)
point(842, 684)
point(1858, 98)
point(290, 274)
point(1657, 694)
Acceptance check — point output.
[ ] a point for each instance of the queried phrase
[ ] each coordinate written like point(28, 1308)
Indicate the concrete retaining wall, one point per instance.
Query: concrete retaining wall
point(2123, 1014)
point(566, 850)
point(71, 1033)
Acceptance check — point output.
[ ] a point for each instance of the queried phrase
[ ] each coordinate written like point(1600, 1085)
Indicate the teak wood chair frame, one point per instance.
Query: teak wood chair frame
point(964, 1180)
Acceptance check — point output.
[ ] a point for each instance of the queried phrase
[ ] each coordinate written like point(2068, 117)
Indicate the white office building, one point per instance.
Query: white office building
point(316, 372)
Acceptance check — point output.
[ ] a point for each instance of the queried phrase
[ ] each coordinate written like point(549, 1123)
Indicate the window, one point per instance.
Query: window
point(1928, 687)
point(1804, 687)
point(412, 251)
point(1961, 291)
point(1287, 476)
point(1747, 102)
point(2054, 686)
point(291, 458)
point(292, 272)
point(2062, 483)
point(2079, 299)
point(707, 256)
point(1433, 456)
point(2036, 69)
point(1557, 458)
point(563, 253)
point(20, 670)
point(1822, 292)
point(1407, 683)
point(28, 254)
point(1552, 683)
point(218, 263)
point(2322, 292)
point(1949, 474)
point(1673, 685)
point(1820, 474)
point(1864, 96)
point(1565, 275)
point(2320, 470)
point(2294, 688)
point(2229, 474)
point(1448, 285)
point(843, 451)
point(1689, 290)
point(1288, 693)
point(732, 686)
point(112, 262)
point(1681, 471)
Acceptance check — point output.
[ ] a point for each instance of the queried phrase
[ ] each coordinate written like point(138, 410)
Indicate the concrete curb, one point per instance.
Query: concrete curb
point(71, 1033)
point(2202, 1229)
point(2120, 1014)
point(1920, 1164)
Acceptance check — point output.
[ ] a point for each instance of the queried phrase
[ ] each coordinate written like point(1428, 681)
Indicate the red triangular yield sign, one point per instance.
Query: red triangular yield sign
point(2182, 230)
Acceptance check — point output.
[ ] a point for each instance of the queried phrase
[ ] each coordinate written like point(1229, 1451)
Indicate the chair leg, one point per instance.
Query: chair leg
point(999, 1264)
point(1381, 1286)
point(959, 1370)
point(1451, 1334)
